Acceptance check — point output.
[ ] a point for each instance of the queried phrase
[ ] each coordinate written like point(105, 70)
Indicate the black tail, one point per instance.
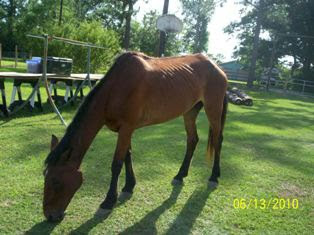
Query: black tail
point(224, 114)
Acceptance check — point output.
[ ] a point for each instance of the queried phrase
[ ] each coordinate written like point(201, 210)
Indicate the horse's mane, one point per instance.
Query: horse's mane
point(64, 144)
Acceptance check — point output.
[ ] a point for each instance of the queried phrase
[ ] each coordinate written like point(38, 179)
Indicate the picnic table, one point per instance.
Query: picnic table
point(33, 79)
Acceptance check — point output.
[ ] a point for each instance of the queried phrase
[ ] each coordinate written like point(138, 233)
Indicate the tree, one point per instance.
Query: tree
point(197, 15)
point(127, 15)
point(283, 21)
point(84, 8)
point(117, 15)
point(9, 15)
point(301, 34)
point(253, 20)
point(35, 14)
point(145, 37)
point(162, 34)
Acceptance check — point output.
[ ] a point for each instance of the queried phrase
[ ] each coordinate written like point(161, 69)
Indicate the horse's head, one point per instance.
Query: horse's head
point(62, 180)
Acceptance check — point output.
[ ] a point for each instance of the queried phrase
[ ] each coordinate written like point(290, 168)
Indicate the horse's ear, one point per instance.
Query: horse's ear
point(54, 142)
point(65, 156)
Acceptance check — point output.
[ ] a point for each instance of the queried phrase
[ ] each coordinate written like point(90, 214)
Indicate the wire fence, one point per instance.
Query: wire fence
point(13, 56)
point(10, 55)
point(293, 86)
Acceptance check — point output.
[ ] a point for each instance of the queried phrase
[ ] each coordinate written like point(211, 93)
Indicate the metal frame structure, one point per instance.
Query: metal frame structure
point(46, 38)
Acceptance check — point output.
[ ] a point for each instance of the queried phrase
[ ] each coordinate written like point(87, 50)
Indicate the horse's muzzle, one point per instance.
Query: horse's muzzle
point(55, 216)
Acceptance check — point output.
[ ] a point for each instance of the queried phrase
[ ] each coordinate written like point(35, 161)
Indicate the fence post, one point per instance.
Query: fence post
point(285, 85)
point(16, 56)
point(30, 54)
point(0, 54)
point(303, 87)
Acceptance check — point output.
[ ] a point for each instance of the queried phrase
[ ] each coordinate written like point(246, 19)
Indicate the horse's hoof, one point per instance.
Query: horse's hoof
point(124, 196)
point(103, 212)
point(176, 182)
point(213, 184)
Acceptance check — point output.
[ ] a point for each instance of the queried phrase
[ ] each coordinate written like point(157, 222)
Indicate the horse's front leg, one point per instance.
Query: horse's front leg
point(123, 144)
point(130, 180)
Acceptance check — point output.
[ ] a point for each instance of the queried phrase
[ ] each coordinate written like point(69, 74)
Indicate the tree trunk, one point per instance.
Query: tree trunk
point(271, 63)
point(162, 37)
point(197, 43)
point(294, 66)
point(61, 9)
point(11, 16)
point(257, 32)
point(307, 61)
point(307, 69)
point(127, 31)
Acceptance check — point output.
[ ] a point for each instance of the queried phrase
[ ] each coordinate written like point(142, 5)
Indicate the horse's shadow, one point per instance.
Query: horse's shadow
point(43, 227)
point(90, 224)
point(149, 219)
point(147, 225)
point(189, 213)
point(95, 220)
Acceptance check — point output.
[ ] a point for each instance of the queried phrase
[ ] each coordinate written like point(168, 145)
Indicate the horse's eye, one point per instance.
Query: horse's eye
point(56, 184)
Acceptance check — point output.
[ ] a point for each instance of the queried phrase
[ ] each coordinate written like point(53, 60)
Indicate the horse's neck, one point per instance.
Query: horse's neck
point(91, 123)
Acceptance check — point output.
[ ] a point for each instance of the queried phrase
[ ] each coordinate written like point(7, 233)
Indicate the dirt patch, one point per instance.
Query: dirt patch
point(7, 203)
point(288, 190)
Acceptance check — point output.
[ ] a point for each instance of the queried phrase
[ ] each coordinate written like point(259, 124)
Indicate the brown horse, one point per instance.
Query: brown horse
point(137, 91)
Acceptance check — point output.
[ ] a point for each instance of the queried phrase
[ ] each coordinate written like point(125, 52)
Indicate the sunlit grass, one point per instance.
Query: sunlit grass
point(267, 153)
point(9, 66)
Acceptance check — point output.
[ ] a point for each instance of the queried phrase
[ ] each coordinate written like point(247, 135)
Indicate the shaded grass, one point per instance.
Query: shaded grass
point(267, 152)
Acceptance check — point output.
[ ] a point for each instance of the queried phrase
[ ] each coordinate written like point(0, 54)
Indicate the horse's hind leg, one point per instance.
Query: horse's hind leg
point(215, 138)
point(213, 179)
point(192, 139)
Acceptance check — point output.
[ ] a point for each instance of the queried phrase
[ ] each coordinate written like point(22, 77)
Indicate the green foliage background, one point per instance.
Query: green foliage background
point(289, 25)
point(91, 32)
point(101, 22)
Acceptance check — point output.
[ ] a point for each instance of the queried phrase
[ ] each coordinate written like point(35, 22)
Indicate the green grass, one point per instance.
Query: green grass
point(267, 153)
point(9, 66)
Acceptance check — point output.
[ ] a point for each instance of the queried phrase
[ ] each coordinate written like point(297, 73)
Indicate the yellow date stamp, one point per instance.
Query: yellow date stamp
point(264, 204)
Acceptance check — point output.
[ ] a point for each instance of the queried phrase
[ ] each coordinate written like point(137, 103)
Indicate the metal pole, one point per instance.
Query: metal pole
point(16, 56)
point(70, 41)
point(0, 54)
point(162, 37)
point(46, 38)
point(88, 66)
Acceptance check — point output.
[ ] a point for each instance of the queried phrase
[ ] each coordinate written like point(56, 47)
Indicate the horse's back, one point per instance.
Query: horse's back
point(173, 85)
point(146, 90)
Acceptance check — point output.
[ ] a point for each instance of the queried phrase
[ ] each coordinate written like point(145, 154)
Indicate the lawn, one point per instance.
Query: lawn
point(9, 66)
point(267, 154)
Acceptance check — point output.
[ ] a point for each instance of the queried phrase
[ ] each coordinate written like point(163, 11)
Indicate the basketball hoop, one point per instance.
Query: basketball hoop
point(169, 23)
